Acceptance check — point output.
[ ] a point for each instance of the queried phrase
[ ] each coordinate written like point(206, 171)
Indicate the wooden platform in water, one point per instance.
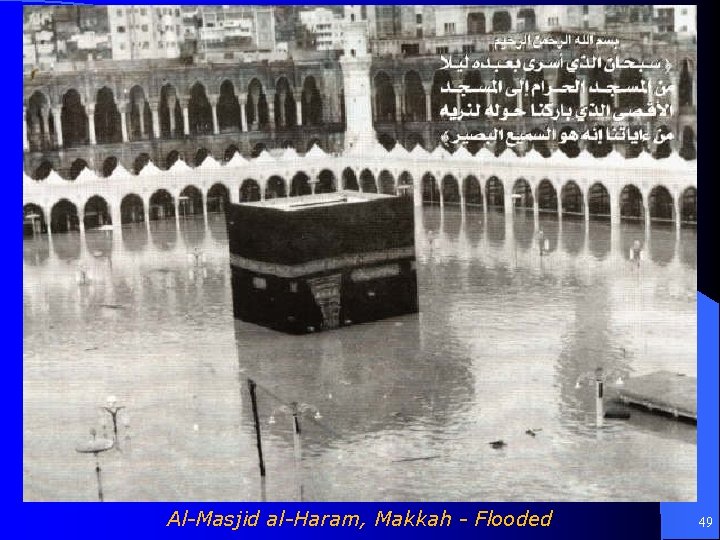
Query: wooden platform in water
point(662, 392)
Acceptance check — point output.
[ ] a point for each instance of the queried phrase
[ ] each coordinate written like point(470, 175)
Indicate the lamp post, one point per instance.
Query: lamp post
point(599, 377)
point(112, 409)
point(296, 409)
point(95, 446)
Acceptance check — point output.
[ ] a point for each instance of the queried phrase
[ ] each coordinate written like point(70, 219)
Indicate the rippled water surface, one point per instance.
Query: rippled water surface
point(407, 406)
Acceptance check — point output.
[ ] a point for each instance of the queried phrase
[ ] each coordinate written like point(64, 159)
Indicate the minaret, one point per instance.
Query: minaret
point(355, 63)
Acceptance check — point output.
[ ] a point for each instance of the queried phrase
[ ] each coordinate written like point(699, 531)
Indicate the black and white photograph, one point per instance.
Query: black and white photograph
point(359, 252)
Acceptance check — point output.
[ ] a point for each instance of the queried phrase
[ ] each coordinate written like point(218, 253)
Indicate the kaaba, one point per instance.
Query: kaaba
point(317, 262)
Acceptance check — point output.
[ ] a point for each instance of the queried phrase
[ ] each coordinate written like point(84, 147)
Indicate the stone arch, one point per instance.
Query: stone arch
point(349, 179)
point(43, 170)
point(250, 190)
point(228, 109)
point(526, 20)
point(171, 158)
point(132, 209)
point(601, 147)
point(450, 190)
point(536, 89)
point(413, 140)
point(367, 182)
point(77, 167)
point(629, 78)
point(631, 203)
point(501, 21)
point(109, 166)
point(405, 184)
point(505, 77)
point(571, 148)
point(430, 189)
point(687, 150)
point(217, 198)
point(33, 220)
point(200, 156)
point(386, 140)
point(162, 205)
point(438, 100)
point(547, 196)
point(256, 109)
point(285, 107)
point(140, 162)
point(300, 185)
point(107, 117)
point(326, 182)
point(139, 116)
point(476, 23)
point(472, 191)
point(495, 193)
point(415, 108)
point(170, 113)
point(275, 188)
point(387, 182)
point(200, 115)
point(384, 98)
point(64, 217)
point(96, 213)
point(37, 119)
point(258, 149)
point(73, 119)
point(230, 151)
point(566, 78)
point(571, 198)
point(473, 79)
point(190, 202)
point(522, 194)
point(661, 204)
point(598, 201)
point(688, 206)
point(312, 103)
point(663, 149)
point(598, 76)
point(685, 85)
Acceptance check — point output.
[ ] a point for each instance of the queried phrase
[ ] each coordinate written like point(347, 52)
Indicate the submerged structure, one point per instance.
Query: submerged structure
point(317, 262)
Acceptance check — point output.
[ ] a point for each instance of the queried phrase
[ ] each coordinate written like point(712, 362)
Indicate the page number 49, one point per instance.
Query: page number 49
point(706, 521)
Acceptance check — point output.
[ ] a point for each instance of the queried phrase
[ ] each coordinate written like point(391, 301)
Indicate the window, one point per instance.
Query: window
point(146, 45)
point(553, 21)
point(177, 12)
point(120, 29)
point(160, 45)
point(450, 28)
point(442, 50)
point(468, 48)
point(419, 32)
point(143, 11)
point(418, 18)
point(144, 27)
point(586, 25)
point(122, 46)
point(119, 12)
point(683, 11)
point(683, 28)
point(259, 283)
point(363, 12)
point(352, 17)
point(586, 10)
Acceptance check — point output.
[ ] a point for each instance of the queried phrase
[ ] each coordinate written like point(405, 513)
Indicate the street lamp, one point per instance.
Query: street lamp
point(95, 446)
point(296, 409)
point(600, 377)
point(112, 409)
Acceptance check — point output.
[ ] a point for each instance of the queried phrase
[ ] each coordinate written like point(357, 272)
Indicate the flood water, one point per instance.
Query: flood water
point(402, 409)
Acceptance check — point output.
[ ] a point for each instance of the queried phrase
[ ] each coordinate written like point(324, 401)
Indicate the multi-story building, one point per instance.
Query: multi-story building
point(144, 32)
point(680, 20)
point(325, 25)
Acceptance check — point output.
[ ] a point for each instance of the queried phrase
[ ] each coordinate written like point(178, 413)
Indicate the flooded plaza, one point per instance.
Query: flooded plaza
point(401, 409)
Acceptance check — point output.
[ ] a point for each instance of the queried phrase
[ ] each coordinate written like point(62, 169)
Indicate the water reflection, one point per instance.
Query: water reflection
point(408, 405)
